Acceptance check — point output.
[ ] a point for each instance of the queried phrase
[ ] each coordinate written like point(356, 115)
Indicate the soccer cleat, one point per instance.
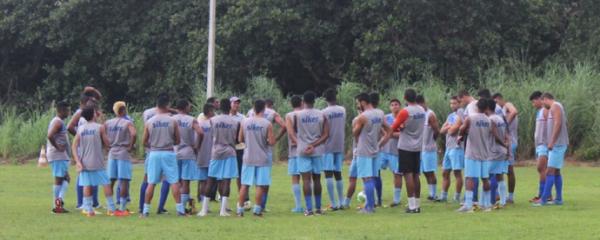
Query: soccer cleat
point(162, 211)
point(412, 211)
point(202, 214)
point(180, 214)
point(441, 200)
point(308, 213)
point(192, 210)
point(539, 204)
point(393, 205)
point(224, 214)
point(297, 210)
point(144, 215)
point(332, 208)
point(97, 206)
point(58, 210)
point(465, 209)
point(90, 214)
point(365, 211)
point(430, 198)
point(122, 213)
point(510, 201)
point(257, 214)
point(319, 212)
point(476, 207)
point(84, 212)
point(557, 202)
point(498, 206)
point(110, 213)
point(487, 209)
point(240, 214)
point(534, 199)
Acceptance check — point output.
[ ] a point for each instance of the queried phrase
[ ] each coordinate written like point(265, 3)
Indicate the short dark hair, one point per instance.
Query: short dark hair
point(88, 113)
point(410, 95)
point(162, 101)
point(309, 97)
point(484, 93)
point(182, 104)
point(259, 106)
point(363, 97)
point(548, 95)
point(454, 98)
point(535, 95)
point(225, 106)
point(491, 104)
point(330, 95)
point(296, 101)
point(211, 100)
point(268, 102)
point(395, 100)
point(208, 108)
point(463, 93)
point(497, 95)
point(374, 98)
point(62, 106)
point(420, 99)
point(84, 98)
point(482, 105)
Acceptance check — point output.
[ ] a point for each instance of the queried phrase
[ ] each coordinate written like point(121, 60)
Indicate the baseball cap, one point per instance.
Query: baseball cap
point(235, 99)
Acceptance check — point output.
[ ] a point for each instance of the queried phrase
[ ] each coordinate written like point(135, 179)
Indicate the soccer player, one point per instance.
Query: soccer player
point(410, 143)
point(235, 112)
point(313, 131)
point(212, 193)
point(185, 151)
point(478, 126)
point(121, 137)
point(291, 125)
point(431, 131)
point(223, 163)
point(498, 156)
point(367, 130)
point(558, 140)
point(374, 100)
point(388, 155)
point(90, 139)
point(161, 135)
point(58, 156)
point(353, 171)
point(454, 157)
point(333, 157)
point(540, 139)
point(257, 133)
point(205, 149)
point(511, 114)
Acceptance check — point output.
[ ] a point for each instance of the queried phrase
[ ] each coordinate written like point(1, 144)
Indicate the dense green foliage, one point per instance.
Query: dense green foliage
point(131, 50)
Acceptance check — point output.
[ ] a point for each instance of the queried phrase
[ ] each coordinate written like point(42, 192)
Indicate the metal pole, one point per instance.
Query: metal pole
point(210, 72)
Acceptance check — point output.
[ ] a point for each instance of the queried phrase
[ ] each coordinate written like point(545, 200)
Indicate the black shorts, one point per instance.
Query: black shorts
point(240, 159)
point(409, 162)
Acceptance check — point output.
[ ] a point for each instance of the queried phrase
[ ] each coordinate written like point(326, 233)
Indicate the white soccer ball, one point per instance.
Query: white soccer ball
point(361, 197)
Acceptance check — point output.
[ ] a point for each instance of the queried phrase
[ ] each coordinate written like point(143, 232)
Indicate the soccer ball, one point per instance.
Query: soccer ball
point(361, 197)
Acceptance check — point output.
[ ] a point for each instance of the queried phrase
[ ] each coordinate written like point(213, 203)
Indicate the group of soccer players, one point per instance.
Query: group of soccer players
point(222, 144)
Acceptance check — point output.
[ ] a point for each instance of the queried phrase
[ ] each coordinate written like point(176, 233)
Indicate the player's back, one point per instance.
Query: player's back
point(90, 145)
point(368, 139)
point(255, 136)
point(187, 136)
point(478, 138)
point(117, 130)
point(411, 136)
point(161, 130)
point(336, 119)
point(225, 128)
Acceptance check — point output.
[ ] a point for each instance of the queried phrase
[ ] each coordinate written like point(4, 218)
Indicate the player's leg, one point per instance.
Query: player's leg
point(307, 190)
point(206, 199)
point(446, 169)
point(317, 192)
point(242, 196)
point(511, 183)
point(328, 169)
point(459, 184)
point(486, 202)
point(87, 201)
point(353, 172)
point(416, 158)
point(337, 174)
point(502, 190)
point(260, 192)
point(110, 203)
point(225, 188)
point(164, 195)
point(542, 165)
point(397, 189)
point(79, 191)
point(472, 171)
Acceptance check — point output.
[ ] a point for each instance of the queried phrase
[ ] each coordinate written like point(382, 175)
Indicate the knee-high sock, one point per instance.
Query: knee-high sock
point(558, 181)
point(263, 205)
point(494, 189)
point(397, 195)
point(317, 202)
point(63, 189)
point(502, 191)
point(340, 191)
point(370, 192)
point(308, 202)
point(432, 190)
point(469, 199)
point(548, 188)
point(79, 190)
point(476, 190)
point(164, 194)
point(330, 191)
point(110, 203)
point(95, 196)
point(118, 192)
point(142, 195)
point(378, 188)
point(297, 195)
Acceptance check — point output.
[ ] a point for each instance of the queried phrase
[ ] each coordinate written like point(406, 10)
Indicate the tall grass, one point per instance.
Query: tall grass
point(22, 134)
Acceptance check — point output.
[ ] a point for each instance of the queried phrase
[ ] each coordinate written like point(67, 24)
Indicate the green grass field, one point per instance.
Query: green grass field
point(25, 202)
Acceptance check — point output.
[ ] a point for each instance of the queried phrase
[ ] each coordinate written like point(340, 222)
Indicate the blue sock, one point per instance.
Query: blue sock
point(494, 189)
point(297, 195)
point(87, 204)
point(79, 190)
point(63, 189)
point(340, 191)
point(541, 188)
point(487, 201)
point(118, 192)
point(370, 192)
point(559, 184)
point(469, 199)
point(56, 191)
point(164, 194)
point(185, 198)
point(318, 202)
point(397, 194)
point(110, 203)
point(180, 208)
point(143, 194)
point(263, 205)
point(95, 196)
point(257, 209)
point(123, 203)
point(476, 190)
point(346, 202)
point(547, 188)
point(330, 191)
point(502, 192)
point(146, 208)
point(378, 188)
point(308, 201)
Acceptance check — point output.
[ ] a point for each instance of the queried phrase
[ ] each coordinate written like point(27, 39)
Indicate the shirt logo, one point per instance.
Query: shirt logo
point(223, 125)
point(376, 120)
point(418, 116)
point(333, 115)
point(115, 129)
point(206, 129)
point(254, 127)
point(183, 124)
point(160, 125)
point(88, 132)
point(482, 124)
point(310, 119)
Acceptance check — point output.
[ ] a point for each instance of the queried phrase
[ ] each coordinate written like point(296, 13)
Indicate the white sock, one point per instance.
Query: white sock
point(417, 202)
point(411, 203)
point(223, 205)
point(205, 201)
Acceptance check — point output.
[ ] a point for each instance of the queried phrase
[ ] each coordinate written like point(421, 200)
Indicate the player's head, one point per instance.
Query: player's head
point(362, 101)
point(163, 101)
point(309, 98)
point(208, 110)
point(482, 105)
point(420, 99)
point(225, 106)
point(235, 104)
point(296, 101)
point(410, 95)
point(269, 103)
point(464, 97)
point(548, 99)
point(92, 92)
point(259, 106)
point(491, 106)
point(184, 105)
point(395, 105)
point(84, 98)
point(62, 109)
point(120, 108)
point(454, 103)
point(213, 101)
point(88, 113)
point(499, 99)
point(374, 99)
point(330, 95)
point(536, 99)
point(484, 93)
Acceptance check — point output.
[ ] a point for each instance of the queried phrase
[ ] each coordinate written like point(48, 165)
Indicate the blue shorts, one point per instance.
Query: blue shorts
point(388, 160)
point(353, 172)
point(367, 167)
point(541, 151)
point(293, 166)
point(162, 163)
point(202, 173)
point(333, 161)
point(428, 162)
point(310, 164)
point(556, 156)
point(499, 167)
point(477, 168)
point(223, 168)
point(93, 178)
point(513, 156)
point(60, 168)
point(187, 169)
point(257, 176)
point(119, 169)
point(454, 159)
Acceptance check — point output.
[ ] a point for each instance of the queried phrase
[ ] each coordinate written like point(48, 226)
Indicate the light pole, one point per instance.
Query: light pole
point(210, 72)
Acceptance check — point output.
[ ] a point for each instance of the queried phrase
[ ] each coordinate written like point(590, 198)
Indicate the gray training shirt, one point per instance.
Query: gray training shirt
point(187, 137)
point(336, 118)
point(368, 140)
point(513, 127)
point(452, 140)
point(161, 129)
point(205, 151)
point(292, 152)
point(429, 143)
point(255, 137)
point(391, 147)
point(119, 138)
point(563, 135)
point(60, 139)
point(540, 137)
point(497, 151)
point(225, 130)
point(90, 145)
point(411, 136)
point(479, 137)
point(310, 127)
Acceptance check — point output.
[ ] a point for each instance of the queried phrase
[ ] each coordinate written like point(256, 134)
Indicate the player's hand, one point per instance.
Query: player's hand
point(309, 150)
point(550, 146)
point(79, 167)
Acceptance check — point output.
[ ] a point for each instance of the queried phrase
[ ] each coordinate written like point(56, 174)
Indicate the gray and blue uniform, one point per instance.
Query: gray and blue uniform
point(410, 141)
point(59, 160)
point(556, 155)
point(292, 149)
point(256, 168)
point(119, 159)
point(205, 151)
point(310, 128)
point(185, 152)
point(513, 129)
point(333, 156)
point(540, 137)
point(454, 157)
point(367, 145)
point(162, 159)
point(91, 155)
point(429, 151)
point(224, 164)
point(498, 154)
point(388, 154)
point(478, 146)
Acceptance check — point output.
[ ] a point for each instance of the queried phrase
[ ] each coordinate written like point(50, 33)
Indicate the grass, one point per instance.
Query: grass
point(26, 202)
